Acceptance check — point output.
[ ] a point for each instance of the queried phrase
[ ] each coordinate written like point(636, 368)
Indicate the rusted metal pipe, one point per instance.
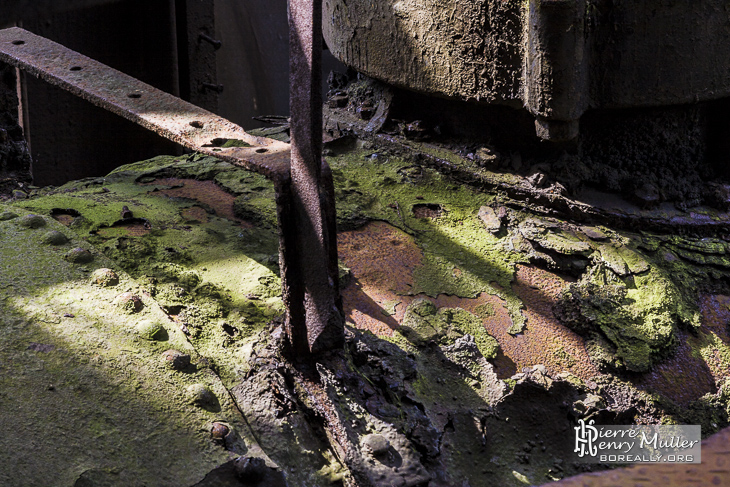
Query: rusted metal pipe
point(314, 313)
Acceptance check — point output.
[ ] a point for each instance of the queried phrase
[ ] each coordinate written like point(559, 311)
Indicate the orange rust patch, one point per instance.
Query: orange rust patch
point(207, 192)
point(135, 229)
point(63, 219)
point(545, 341)
point(382, 259)
point(195, 214)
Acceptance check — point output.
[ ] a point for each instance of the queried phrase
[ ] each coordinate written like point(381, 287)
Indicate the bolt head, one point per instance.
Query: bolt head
point(219, 431)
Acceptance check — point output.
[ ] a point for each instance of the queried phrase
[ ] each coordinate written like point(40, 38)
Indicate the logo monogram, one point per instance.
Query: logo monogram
point(585, 438)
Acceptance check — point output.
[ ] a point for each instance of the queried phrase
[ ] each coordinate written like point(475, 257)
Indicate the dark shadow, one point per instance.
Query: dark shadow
point(87, 407)
point(682, 375)
point(69, 137)
point(226, 476)
point(426, 397)
point(504, 366)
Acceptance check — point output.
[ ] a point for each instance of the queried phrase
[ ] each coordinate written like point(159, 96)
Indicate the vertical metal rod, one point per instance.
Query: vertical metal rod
point(309, 255)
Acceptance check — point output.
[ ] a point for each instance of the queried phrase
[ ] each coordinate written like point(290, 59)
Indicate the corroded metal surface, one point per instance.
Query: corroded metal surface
point(165, 114)
point(304, 192)
point(314, 316)
point(556, 58)
point(713, 471)
point(382, 260)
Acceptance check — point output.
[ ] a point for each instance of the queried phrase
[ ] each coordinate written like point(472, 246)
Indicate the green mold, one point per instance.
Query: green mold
point(200, 271)
point(235, 143)
point(54, 237)
point(257, 208)
point(7, 215)
point(711, 348)
point(622, 260)
point(151, 330)
point(75, 368)
point(563, 357)
point(201, 395)
point(104, 277)
point(552, 238)
point(459, 256)
point(638, 316)
point(484, 311)
point(423, 323)
point(221, 282)
point(389, 307)
point(32, 221)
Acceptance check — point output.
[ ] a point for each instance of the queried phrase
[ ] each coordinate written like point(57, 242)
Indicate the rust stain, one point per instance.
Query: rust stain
point(63, 218)
point(132, 229)
point(545, 341)
point(382, 259)
point(206, 192)
point(195, 214)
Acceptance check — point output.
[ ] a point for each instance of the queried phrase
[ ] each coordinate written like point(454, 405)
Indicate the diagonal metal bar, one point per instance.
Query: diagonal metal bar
point(160, 112)
point(303, 182)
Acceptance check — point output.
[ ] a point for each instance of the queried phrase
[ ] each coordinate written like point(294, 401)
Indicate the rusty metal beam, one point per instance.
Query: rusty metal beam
point(304, 193)
point(160, 112)
point(315, 320)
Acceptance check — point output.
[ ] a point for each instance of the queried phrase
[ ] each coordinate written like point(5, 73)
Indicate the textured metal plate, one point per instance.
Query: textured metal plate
point(160, 112)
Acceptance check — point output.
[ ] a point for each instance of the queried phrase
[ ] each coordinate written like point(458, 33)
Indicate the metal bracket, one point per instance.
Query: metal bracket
point(203, 131)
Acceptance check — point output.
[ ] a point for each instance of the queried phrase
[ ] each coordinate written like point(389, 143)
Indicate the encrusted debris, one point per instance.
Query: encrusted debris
point(471, 349)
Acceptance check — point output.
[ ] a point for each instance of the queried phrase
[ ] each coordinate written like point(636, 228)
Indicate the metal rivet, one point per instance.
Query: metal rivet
point(219, 431)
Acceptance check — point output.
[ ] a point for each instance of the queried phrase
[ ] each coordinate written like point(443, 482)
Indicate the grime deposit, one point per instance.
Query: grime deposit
point(144, 309)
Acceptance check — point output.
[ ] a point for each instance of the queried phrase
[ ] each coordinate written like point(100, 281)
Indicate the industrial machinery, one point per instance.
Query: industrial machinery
point(507, 274)
point(556, 58)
